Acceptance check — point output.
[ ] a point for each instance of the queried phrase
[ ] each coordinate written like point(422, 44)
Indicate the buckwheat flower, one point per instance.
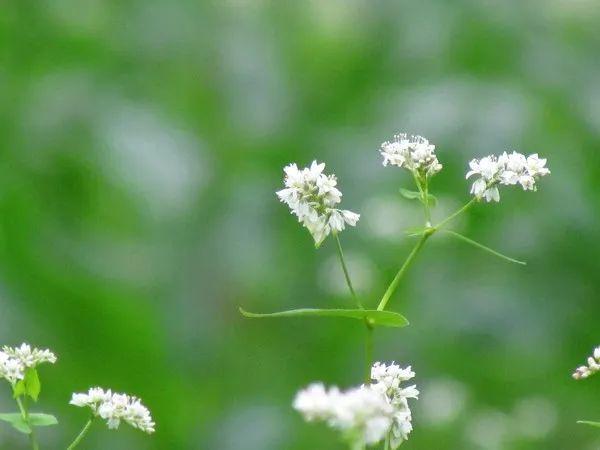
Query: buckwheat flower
point(115, 408)
point(506, 169)
point(592, 367)
point(414, 153)
point(365, 415)
point(30, 358)
point(11, 369)
point(362, 415)
point(312, 197)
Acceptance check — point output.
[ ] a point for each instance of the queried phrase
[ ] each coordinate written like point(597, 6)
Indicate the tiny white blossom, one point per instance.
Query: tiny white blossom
point(365, 415)
point(10, 368)
point(592, 367)
point(312, 196)
point(414, 153)
point(506, 169)
point(30, 357)
point(115, 408)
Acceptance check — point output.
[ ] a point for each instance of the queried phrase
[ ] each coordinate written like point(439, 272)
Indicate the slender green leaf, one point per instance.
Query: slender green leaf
point(42, 420)
point(415, 195)
point(483, 247)
point(590, 423)
point(410, 195)
point(17, 421)
point(19, 389)
point(33, 386)
point(383, 318)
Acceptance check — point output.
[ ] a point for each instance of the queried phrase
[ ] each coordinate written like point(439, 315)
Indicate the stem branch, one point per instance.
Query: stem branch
point(82, 434)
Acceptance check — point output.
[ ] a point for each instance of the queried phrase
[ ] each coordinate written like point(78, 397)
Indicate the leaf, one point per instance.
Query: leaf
point(590, 423)
point(32, 384)
point(414, 195)
point(374, 317)
point(483, 247)
point(17, 421)
point(42, 420)
point(19, 389)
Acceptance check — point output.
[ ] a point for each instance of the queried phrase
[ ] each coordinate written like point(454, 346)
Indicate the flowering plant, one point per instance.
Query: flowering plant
point(18, 366)
point(378, 411)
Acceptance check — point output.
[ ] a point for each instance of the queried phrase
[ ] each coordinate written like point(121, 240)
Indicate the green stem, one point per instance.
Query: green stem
point(387, 443)
point(346, 273)
point(25, 416)
point(369, 338)
point(82, 434)
point(483, 247)
point(456, 214)
point(396, 281)
point(426, 202)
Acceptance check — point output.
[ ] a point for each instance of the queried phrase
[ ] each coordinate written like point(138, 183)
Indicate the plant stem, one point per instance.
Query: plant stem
point(82, 434)
point(387, 443)
point(426, 202)
point(25, 415)
point(346, 273)
point(369, 337)
point(396, 281)
point(483, 247)
point(456, 214)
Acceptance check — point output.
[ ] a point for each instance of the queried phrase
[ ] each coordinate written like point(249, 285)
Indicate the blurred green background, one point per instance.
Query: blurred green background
point(141, 144)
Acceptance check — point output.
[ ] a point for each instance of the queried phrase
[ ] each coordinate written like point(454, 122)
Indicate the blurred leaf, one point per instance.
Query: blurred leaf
point(590, 423)
point(16, 420)
point(414, 195)
point(374, 317)
point(483, 247)
point(42, 420)
point(32, 383)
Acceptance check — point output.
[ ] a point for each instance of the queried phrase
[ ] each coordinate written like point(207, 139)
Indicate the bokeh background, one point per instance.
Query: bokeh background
point(141, 144)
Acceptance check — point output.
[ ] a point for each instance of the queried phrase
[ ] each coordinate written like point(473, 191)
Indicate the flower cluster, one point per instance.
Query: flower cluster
point(115, 407)
point(507, 169)
point(414, 153)
point(14, 361)
point(365, 415)
point(312, 196)
point(593, 366)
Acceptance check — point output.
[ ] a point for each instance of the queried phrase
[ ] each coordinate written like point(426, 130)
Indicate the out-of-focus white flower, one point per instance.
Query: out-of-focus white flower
point(10, 368)
point(312, 196)
point(14, 361)
point(30, 357)
point(365, 415)
point(414, 153)
point(592, 367)
point(114, 408)
point(506, 169)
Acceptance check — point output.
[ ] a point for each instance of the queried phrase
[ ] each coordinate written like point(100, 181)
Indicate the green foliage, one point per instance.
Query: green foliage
point(30, 385)
point(373, 317)
point(17, 421)
point(590, 423)
point(415, 195)
point(42, 420)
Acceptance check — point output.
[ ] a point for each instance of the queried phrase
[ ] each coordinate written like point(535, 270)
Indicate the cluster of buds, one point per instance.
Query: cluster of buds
point(414, 153)
point(592, 367)
point(14, 361)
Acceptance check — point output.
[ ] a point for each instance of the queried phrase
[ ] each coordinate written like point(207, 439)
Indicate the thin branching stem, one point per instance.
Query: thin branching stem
point(82, 434)
point(346, 272)
point(483, 247)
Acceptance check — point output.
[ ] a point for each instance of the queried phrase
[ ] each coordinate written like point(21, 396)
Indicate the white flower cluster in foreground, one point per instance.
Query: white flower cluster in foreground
point(593, 366)
point(414, 153)
point(312, 196)
point(365, 415)
point(506, 169)
point(114, 408)
point(14, 361)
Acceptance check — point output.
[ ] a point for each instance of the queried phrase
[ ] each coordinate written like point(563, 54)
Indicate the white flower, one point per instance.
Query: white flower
point(312, 196)
point(10, 368)
point(364, 415)
point(414, 153)
point(30, 358)
point(593, 366)
point(114, 408)
point(506, 169)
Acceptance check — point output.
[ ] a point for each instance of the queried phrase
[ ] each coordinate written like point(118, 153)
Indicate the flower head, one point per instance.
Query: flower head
point(365, 415)
point(506, 169)
point(312, 197)
point(14, 361)
point(114, 408)
point(414, 153)
point(592, 367)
